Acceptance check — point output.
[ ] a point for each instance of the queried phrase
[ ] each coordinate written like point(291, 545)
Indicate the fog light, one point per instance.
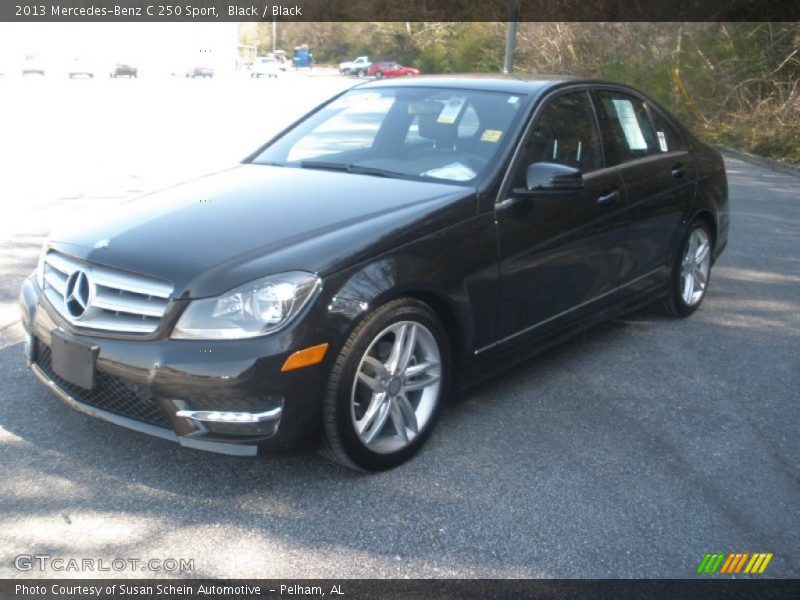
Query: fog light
point(218, 416)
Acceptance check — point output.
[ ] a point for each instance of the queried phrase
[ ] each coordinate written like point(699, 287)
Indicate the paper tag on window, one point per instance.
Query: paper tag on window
point(491, 135)
point(455, 172)
point(450, 111)
point(662, 140)
point(630, 124)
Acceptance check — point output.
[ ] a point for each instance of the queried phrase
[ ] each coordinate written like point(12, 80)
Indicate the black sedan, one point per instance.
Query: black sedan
point(402, 241)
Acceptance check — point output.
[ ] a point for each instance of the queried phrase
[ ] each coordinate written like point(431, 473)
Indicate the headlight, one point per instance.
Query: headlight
point(256, 308)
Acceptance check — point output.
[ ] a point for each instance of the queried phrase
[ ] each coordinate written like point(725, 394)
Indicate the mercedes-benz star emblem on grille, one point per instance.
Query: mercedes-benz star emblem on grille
point(77, 294)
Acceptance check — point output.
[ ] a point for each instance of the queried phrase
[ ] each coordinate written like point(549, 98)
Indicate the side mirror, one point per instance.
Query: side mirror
point(546, 176)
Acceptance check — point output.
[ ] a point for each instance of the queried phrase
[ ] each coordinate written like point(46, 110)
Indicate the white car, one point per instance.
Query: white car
point(359, 66)
point(265, 66)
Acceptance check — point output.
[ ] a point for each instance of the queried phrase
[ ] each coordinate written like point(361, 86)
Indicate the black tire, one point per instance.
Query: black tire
point(379, 75)
point(341, 442)
point(673, 304)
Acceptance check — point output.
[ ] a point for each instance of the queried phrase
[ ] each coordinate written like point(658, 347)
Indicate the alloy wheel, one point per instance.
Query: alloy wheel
point(695, 267)
point(396, 387)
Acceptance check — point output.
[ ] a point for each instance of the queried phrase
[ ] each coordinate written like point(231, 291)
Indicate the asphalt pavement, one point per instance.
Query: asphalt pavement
point(630, 451)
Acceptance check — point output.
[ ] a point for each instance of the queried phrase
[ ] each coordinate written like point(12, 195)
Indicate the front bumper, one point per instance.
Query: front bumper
point(222, 396)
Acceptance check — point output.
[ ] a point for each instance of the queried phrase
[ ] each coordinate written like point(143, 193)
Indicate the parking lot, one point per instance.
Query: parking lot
point(630, 451)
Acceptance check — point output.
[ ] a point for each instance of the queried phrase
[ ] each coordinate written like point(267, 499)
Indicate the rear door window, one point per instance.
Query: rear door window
point(628, 133)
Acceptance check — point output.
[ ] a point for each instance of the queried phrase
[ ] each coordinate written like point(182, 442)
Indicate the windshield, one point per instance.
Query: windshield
point(417, 133)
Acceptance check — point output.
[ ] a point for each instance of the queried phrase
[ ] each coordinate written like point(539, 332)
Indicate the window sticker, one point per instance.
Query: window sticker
point(513, 99)
point(662, 141)
point(451, 110)
point(491, 135)
point(454, 172)
point(630, 125)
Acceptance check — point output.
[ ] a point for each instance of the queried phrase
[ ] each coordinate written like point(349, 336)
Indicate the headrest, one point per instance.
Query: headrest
point(443, 134)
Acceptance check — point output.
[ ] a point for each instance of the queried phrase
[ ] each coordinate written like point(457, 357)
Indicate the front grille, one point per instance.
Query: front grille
point(110, 393)
point(115, 300)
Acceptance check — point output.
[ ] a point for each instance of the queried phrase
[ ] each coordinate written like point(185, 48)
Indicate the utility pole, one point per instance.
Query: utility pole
point(274, 34)
point(511, 37)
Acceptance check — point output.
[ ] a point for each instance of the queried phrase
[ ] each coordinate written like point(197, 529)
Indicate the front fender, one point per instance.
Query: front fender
point(454, 271)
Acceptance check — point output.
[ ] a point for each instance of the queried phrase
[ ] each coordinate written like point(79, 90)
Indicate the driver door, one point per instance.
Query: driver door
point(560, 250)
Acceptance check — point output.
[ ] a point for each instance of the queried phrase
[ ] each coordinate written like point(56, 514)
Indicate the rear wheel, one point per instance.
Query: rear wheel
point(387, 387)
point(690, 273)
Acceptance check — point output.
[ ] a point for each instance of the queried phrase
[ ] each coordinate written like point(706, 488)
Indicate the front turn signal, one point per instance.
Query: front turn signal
point(305, 358)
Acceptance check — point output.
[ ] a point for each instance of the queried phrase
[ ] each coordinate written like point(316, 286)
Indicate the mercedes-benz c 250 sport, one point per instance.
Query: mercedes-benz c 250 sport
point(401, 241)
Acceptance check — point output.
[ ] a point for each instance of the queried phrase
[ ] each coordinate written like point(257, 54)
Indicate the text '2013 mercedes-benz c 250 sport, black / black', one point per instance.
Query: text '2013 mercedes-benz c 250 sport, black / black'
point(403, 239)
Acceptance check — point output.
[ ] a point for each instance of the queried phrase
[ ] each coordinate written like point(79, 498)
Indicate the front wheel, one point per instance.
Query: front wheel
point(690, 273)
point(387, 387)
point(379, 75)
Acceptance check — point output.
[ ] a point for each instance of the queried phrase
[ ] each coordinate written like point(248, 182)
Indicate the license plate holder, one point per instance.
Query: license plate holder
point(73, 361)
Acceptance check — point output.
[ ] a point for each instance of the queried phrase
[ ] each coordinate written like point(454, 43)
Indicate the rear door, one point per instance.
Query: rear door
point(659, 177)
point(559, 251)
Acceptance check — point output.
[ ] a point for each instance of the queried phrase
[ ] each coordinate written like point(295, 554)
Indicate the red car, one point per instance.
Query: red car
point(390, 69)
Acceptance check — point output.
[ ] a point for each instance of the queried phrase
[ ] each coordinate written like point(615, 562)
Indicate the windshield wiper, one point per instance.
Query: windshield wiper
point(351, 168)
point(270, 164)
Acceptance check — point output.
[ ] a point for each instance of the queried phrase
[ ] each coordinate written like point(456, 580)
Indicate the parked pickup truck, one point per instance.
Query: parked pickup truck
point(357, 67)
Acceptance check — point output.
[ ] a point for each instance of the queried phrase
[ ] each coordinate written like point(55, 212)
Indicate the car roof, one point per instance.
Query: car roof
point(533, 84)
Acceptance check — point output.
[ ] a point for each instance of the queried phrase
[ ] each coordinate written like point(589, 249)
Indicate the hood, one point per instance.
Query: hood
point(222, 230)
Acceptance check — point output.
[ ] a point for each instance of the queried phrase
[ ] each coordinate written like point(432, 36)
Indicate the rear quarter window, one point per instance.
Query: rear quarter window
point(669, 140)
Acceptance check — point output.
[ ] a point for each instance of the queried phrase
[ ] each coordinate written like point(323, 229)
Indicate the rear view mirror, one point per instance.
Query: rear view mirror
point(553, 176)
point(425, 107)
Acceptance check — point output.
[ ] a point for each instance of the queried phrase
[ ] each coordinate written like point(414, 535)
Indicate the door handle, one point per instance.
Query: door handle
point(608, 199)
point(678, 170)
